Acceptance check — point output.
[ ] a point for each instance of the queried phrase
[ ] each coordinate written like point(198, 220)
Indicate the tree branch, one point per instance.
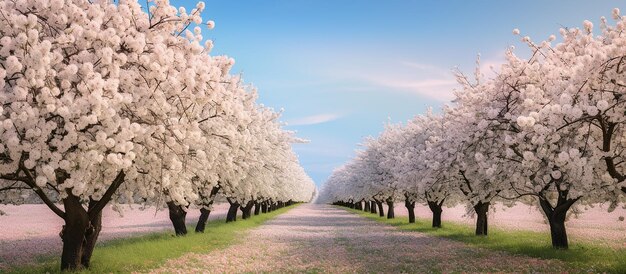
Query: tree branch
point(117, 182)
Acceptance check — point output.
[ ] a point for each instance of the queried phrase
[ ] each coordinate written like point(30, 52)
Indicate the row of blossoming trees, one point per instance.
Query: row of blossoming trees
point(104, 103)
point(548, 130)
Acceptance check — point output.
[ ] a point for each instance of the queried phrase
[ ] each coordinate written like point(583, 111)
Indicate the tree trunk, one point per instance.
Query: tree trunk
point(381, 211)
point(246, 211)
point(481, 218)
point(177, 216)
point(73, 233)
point(82, 227)
point(204, 217)
point(410, 207)
point(390, 214)
point(373, 207)
point(91, 236)
point(204, 212)
point(436, 210)
point(263, 207)
point(556, 219)
point(257, 208)
point(231, 216)
point(367, 206)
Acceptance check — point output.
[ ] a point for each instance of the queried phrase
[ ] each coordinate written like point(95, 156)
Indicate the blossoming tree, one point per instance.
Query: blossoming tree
point(104, 102)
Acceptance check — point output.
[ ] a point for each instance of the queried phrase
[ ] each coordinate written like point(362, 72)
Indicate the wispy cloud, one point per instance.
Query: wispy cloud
point(314, 119)
point(332, 150)
point(357, 70)
point(427, 68)
point(405, 76)
point(437, 89)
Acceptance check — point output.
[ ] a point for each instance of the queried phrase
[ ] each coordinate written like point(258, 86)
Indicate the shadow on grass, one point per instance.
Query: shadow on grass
point(585, 257)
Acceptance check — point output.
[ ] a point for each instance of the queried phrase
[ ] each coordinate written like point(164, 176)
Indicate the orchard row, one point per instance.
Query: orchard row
point(104, 103)
point(549, 130)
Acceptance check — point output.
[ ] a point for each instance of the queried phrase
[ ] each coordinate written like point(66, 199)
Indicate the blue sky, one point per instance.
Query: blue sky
point(342, 69)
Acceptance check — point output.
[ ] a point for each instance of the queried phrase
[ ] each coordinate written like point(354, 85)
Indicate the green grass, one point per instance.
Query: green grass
point(152, 250)
point(583, 256)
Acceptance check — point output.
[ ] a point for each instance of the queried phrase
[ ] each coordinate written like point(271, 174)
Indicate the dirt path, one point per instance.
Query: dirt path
point(320, 238)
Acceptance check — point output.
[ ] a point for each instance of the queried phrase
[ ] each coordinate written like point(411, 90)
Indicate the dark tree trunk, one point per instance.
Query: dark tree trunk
point(373, 207)
point(390, 214)
point(481, 210)
point(246, 211)
point(231, 216)
point(410, 207)
point(436, 210)
point(263, 207)
point(82, 227)
point(204, 212)
point(556, 219)
point(177, 216)
point(73, 233)
point(367, 206)
point(204, 217)
point(91, 236)
point(381, 211)
point(257, 208)
point(358, 205)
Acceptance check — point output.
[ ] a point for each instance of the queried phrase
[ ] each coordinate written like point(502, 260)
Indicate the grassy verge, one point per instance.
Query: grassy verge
point(152, 250)
point(586, 257)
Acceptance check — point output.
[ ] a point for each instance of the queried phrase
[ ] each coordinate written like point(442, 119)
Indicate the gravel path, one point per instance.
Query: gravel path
point(320, 238)
point(28, 232)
